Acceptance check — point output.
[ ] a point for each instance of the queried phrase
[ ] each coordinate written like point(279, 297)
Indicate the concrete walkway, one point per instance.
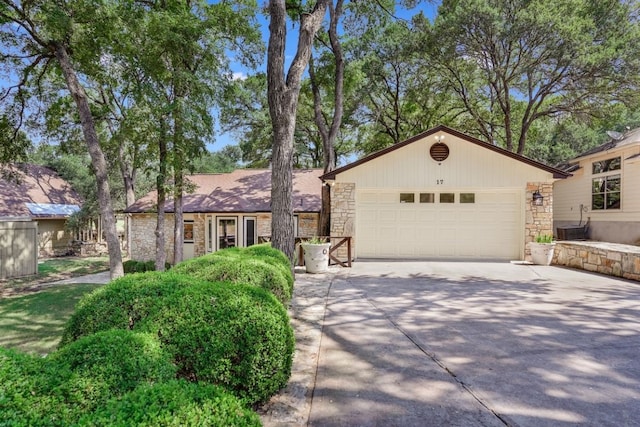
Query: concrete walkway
point(489, 344)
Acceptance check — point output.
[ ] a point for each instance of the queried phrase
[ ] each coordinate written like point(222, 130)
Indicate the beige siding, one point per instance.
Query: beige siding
point(18, 252)
point(53, 238)
point(571, 193)
point(468, 166)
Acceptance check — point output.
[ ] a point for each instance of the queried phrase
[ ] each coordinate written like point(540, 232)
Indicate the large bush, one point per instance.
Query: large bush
point(115, 361)
point(59, 389)
point(237, 336)
point(122, 303)
point(25, 393)
point(241, 269)
point(258, 265)
point(175, 403)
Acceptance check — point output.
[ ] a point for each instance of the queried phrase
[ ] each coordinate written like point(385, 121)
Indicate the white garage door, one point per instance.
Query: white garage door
point(450, 224)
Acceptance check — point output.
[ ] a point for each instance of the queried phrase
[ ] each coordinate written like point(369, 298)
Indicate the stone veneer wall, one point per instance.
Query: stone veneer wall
point(143, 227)
point(538, 219)
point(343, 214)
point(143, 237)
point(612, 259)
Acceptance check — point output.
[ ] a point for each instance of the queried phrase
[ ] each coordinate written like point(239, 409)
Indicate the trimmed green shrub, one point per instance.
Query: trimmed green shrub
point(25, 392)
point(59, 389)
point(241, 269)
point(175, 403)
point(133, 266)
point(122, 303)
point(237, 336)
point(115, 360)
point(265, 250)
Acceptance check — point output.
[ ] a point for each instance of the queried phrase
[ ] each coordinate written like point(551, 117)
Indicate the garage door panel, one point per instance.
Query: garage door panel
point(489, 228)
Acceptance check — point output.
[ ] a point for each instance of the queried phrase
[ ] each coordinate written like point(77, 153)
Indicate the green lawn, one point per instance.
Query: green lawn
point(34, 322)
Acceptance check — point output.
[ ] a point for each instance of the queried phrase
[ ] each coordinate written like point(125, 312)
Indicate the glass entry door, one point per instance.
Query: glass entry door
point(250, 231)
point(227, 230)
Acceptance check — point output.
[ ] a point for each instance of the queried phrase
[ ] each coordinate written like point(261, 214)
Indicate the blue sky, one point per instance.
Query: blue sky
point(222, 139)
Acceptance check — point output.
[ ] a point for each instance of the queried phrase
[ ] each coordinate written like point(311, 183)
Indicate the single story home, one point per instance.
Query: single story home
point(39, 194)
point(225, 210)
point(604, 190)
point(445, 195)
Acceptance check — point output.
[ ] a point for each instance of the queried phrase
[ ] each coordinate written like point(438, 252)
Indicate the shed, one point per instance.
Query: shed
point(18, 248)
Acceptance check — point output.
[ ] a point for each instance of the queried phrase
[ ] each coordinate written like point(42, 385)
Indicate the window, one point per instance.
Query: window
point(187, 232)
point(605, 193)
point(467, 198)
point(427, 198)
point(606, 166)
point(447, 198)
point(407, 198)
point(605, 188)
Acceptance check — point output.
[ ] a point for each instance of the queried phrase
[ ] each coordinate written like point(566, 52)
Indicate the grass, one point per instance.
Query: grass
point(53, 269)
point(33, 323)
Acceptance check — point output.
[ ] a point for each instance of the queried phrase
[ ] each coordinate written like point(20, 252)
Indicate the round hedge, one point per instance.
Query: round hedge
point(25, 392)
point(241, 269)
point(237, 336)
point(59, 389)
point(122, 303)
point(115, 361)
point(175, 403)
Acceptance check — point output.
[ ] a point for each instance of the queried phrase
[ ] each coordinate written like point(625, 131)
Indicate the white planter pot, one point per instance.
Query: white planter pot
point(316, 257)
point(542, 253)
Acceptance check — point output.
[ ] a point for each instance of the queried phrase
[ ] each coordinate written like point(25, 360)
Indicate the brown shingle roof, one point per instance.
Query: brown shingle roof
point(37, 184)
point(243, 190)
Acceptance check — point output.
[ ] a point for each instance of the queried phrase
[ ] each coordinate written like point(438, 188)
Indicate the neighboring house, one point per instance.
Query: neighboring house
point(604, 189)
point(225, 210)
point(40, 195)
point(442, 194)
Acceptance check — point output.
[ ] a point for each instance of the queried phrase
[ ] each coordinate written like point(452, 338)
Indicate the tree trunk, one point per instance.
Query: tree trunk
point(97, 160)
point(178, 185)
point(329, 133)
point(161, 254)
point(283, 103)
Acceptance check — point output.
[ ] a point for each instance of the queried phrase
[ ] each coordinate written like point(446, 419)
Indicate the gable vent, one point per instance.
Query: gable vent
point(439, 151)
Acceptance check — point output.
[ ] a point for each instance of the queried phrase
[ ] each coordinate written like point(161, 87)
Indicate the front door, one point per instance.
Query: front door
point(187, 240)
point(227, 230)
point(250, 231)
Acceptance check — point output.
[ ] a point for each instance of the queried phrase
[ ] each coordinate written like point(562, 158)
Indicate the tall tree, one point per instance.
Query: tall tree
point(38, 36)
point(511, 63)
point(283, 93)
point(329, 127)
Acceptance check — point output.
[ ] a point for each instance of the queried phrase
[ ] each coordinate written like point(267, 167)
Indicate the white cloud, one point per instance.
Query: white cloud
point(239, 75)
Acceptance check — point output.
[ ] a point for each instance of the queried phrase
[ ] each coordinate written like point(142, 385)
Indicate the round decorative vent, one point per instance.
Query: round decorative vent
point(439, 151)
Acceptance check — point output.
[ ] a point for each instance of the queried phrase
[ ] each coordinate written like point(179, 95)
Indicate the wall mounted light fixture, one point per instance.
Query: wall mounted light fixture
point(538, 199)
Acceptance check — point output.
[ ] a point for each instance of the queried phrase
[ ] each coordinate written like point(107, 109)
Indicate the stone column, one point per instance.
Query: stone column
point(538, 219)
point(343, 214)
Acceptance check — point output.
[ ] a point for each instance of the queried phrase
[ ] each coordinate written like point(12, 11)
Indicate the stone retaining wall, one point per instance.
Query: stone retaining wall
point(612, 259)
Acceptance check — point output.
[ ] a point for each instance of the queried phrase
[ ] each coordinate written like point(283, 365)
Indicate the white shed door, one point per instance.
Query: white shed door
point(487, 226)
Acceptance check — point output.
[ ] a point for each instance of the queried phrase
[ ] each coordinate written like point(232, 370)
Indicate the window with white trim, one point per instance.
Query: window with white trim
point(605, 186)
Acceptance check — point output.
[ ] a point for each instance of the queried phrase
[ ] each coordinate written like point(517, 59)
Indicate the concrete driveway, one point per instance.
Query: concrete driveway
point(466, 344)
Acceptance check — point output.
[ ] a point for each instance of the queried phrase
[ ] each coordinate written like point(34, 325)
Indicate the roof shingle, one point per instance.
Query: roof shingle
point(243, 190)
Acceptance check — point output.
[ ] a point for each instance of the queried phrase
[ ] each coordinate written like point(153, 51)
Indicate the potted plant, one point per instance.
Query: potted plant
point(316, 254)
point(542, 249)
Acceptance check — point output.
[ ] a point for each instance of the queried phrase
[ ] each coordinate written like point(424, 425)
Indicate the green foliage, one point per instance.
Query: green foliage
point(115, 360)
point(258, 265)
point(544, 238)
point(59, 389)
point(122, 303)
point(133, 266)
point(243, 270)
point(175, 403)
point(237, 336)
